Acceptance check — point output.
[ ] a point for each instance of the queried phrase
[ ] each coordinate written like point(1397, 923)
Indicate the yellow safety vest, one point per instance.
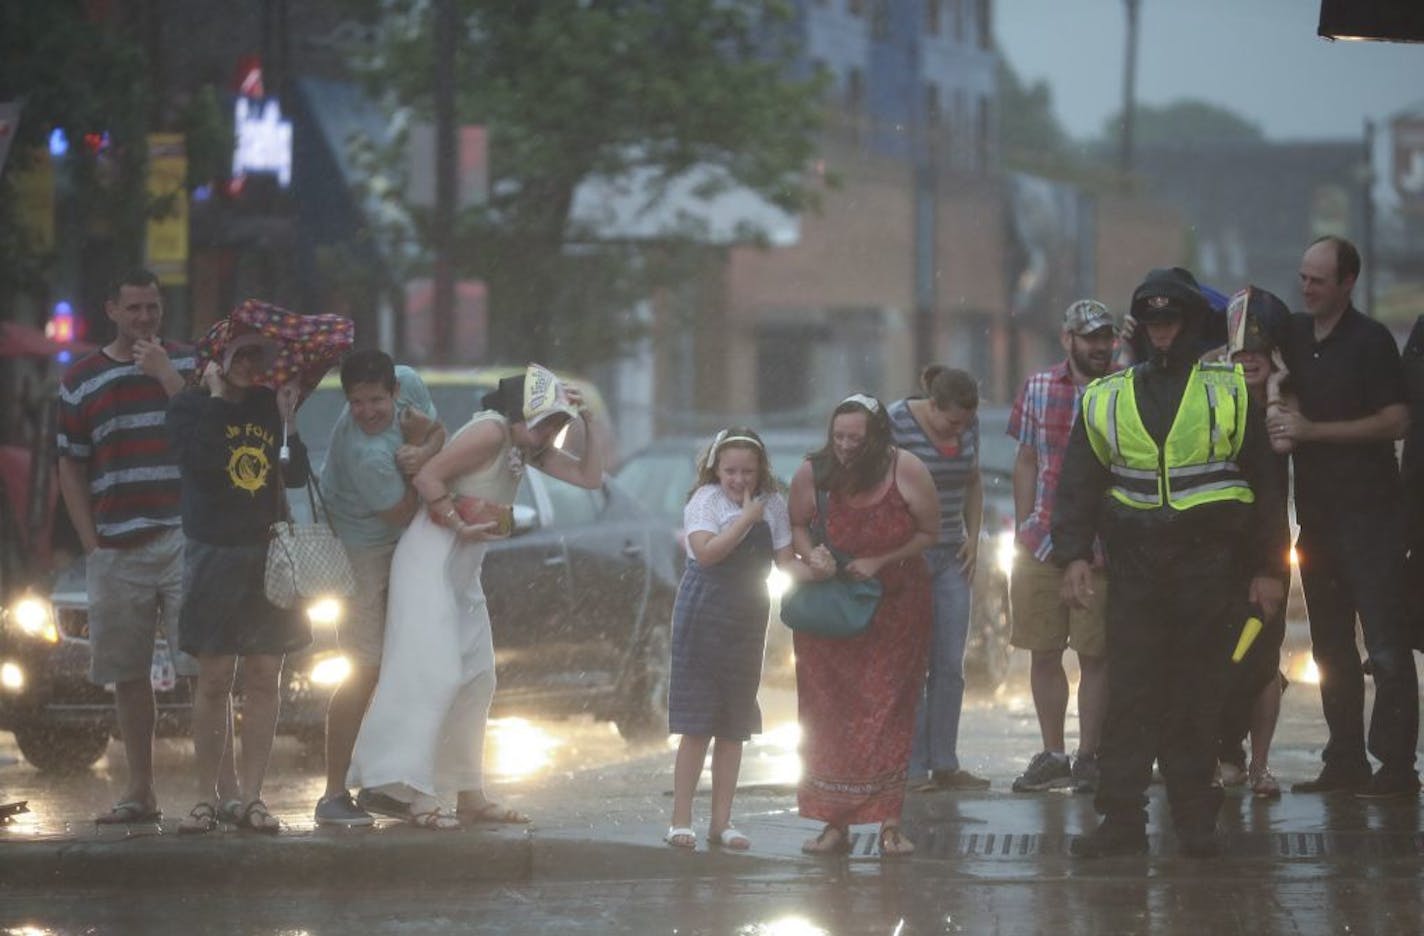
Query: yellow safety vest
point(1197, 465)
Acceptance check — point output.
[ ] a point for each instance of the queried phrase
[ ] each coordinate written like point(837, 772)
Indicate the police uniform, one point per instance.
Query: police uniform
point(1170, 463)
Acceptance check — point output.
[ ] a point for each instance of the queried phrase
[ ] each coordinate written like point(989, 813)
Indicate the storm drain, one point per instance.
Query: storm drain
point(946, 844)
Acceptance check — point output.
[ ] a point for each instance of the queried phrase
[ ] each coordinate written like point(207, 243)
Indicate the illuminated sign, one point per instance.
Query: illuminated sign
point(264, 139)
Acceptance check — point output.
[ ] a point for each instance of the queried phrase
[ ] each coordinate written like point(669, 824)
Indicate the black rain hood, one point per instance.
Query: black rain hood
point(1165, 291)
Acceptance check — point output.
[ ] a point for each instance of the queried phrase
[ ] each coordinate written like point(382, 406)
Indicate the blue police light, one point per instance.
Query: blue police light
point(58, 142)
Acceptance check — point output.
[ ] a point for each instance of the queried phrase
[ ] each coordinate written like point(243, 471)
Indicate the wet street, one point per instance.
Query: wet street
point(593, 862)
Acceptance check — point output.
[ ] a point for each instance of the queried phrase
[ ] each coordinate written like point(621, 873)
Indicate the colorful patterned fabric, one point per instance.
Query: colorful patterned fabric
point(111, 417)
point(1042, 418)
point(308, 345)
point(857, 697)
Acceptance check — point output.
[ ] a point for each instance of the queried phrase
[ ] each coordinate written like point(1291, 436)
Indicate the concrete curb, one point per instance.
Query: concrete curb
point(243, 861)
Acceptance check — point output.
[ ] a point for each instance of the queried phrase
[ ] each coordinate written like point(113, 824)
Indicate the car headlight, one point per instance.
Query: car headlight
point(12, 676)
point(34, 617)
point(330, 671)
point(1004, 551)
point(326, 611)
point(777, 583)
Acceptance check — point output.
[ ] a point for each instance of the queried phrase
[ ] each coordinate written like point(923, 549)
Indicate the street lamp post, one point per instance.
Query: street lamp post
point(1129, 87)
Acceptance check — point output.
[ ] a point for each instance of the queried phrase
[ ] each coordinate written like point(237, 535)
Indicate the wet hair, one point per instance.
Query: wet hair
point(728, 439)
point(137, 277)
point(368, 366)
point(868, 466)
point(1347, 257)
point(949, 386)
point(507, 399)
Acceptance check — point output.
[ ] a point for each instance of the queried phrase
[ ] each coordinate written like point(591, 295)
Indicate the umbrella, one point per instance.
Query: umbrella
point(307, 345)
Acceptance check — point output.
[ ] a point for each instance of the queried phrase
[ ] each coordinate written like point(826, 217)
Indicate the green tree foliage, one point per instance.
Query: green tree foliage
point(77, 75)
point(1178, 121)
point(571, 89)
point(1029, 132)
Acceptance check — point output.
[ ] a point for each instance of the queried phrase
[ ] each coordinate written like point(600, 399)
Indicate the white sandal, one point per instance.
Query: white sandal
point(730, 837)
point(681, 837)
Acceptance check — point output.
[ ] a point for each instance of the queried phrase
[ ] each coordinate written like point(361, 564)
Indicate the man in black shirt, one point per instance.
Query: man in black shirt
point(1345, 371)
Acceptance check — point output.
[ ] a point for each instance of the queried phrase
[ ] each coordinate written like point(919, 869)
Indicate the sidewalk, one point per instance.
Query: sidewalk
point(990, 835)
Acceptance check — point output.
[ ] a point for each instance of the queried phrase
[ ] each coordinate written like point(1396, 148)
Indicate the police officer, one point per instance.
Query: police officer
point(1170, 463)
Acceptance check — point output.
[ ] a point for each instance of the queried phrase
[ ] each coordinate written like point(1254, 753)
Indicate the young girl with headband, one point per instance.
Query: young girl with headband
point(737, 526)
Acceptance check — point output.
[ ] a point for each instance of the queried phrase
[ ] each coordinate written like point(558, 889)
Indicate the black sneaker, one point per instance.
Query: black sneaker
point(1392, 784)
point(1335, 780)
point(1085, 773)
point(341, 810)
point(1110, 839)
point(1047, 771)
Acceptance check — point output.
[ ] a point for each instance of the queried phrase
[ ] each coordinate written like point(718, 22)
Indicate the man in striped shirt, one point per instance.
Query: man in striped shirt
point(1042, 623)
point(120, 484)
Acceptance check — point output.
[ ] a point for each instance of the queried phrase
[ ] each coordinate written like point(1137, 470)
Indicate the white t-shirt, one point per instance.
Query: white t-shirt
point(710, 510)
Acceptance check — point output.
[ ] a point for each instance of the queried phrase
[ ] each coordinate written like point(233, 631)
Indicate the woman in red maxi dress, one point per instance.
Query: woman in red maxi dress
point(857, 697)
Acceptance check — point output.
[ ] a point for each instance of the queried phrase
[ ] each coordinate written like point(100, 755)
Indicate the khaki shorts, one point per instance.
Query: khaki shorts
point(1041, 621)
point(363, 629)
point(133, 593)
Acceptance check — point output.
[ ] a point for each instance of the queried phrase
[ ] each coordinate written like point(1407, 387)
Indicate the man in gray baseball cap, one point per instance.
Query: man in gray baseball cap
point(1042, 623)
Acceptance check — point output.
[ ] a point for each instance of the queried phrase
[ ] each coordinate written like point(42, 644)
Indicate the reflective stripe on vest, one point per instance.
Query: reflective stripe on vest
point(1197, 465)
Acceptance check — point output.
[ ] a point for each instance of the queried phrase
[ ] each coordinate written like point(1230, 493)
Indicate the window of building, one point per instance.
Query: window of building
point(933, 16)
point(958, 19)
point(986, 38)
point(855, 92)
point(934, 110)
point(855, 7)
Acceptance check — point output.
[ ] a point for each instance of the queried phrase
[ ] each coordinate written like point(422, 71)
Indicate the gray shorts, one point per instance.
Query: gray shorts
point(134, 593)
point(362, 633)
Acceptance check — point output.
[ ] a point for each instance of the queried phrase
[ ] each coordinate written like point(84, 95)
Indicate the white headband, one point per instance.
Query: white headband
point(721, 439)
point(869, 402)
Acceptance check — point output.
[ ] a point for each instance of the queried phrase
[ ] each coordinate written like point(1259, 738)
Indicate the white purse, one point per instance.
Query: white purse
point(306, 560)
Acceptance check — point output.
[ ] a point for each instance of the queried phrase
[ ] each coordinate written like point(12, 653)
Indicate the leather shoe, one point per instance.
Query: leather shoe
point(1109, 839)
point(1334, 781)
point(1390, 784)
point(1199, 844)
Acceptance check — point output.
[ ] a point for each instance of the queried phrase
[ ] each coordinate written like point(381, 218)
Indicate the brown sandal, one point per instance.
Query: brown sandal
point(257, 818)
point(833, 840)
point(201, 819)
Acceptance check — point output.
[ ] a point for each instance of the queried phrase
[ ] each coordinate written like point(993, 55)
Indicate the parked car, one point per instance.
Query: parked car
point(580, 600)
point(662, 474)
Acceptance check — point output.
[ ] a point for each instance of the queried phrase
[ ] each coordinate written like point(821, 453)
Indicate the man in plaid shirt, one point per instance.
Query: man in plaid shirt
point(1043, 623)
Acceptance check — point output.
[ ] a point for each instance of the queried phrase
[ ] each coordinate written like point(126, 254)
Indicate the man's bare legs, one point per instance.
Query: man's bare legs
point(343, 723)
point(136, 711)
point(1048, 683)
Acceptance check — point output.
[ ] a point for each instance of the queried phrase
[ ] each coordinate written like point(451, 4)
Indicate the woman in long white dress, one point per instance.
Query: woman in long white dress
point(423, 736)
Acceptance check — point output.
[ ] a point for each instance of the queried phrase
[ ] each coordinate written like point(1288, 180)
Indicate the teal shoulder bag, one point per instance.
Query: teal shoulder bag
point(839, 607)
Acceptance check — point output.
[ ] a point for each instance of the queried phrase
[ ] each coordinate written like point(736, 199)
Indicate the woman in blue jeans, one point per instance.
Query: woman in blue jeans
point(942, 429)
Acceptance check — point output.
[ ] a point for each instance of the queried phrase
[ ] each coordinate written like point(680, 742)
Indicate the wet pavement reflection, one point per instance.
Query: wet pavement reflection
point(989, 862)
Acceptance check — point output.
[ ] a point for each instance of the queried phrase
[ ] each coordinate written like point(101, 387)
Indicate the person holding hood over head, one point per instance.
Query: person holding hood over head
point(1170, 464)
point(423, 736)
point(1258, 324)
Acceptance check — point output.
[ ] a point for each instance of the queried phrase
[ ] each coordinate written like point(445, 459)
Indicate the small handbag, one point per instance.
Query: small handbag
point(839, 607)
point(306, 560)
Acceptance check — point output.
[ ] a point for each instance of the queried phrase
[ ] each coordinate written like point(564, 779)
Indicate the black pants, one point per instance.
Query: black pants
point(1174, 612)
point(1354, 564)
